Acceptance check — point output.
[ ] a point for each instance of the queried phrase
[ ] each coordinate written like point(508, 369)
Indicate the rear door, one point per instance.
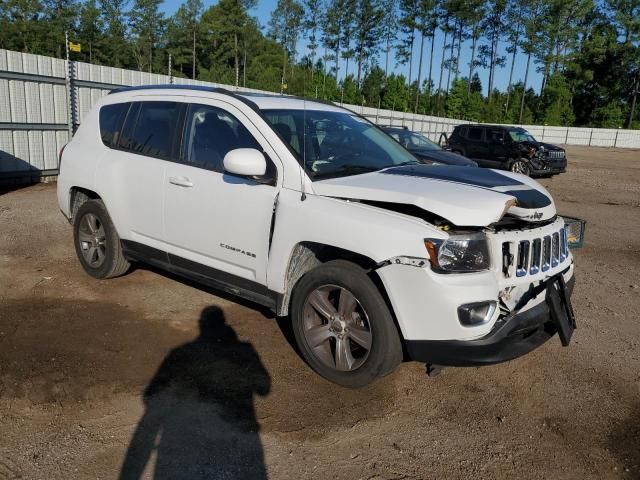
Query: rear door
point(133, 173)
point(217, 224)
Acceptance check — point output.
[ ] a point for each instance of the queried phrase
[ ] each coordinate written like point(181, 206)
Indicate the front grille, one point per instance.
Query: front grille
point(535, 254)
point(555, 154)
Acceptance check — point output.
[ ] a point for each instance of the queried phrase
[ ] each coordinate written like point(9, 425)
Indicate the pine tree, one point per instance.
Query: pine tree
point(425, 25)
point(284, 27)
point(183, 36)
point(116, 45)
point(22, 28)
point(91, 33)
point(368, 29)
point(409, 11)
point(389, 29)
point(147, 24)
point(60, 16)
point(311, 23)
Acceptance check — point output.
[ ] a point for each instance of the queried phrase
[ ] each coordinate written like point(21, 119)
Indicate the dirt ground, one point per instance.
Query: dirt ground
point(149, 376)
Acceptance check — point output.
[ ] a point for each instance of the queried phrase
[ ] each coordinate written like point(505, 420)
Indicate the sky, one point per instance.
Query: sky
point(263, 12)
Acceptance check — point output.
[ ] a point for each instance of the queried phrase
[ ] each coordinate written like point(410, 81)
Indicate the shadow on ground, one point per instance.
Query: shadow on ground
point(199, 419)
point(624, 443)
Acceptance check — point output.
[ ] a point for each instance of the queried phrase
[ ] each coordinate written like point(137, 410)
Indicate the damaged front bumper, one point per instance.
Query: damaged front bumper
point(541, 166)
point(512, 336)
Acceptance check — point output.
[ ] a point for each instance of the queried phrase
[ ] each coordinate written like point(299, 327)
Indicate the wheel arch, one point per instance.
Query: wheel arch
point(307, 255)
point(78, 196)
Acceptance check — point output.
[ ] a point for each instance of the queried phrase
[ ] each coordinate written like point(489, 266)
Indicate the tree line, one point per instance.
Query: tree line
point(586, 52)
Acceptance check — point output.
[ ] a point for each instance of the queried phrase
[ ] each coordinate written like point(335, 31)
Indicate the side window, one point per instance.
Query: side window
point(150, 129)
point(475, 133)
point(496, 136)
point(287, 128)
point(210, 134)
point(111, 118)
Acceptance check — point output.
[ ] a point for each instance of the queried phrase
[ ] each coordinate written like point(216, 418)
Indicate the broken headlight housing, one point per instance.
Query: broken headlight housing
point(459, 253)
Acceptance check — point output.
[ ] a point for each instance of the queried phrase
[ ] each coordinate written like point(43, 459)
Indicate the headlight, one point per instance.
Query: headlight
point(574, 231)
point(468, 253)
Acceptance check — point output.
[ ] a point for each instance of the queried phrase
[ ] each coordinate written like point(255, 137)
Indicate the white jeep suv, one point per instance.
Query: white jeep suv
point(311, 210)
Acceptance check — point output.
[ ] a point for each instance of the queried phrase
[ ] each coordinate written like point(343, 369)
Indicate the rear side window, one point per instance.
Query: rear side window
point(151, 129)
point(475, 134)
point(210, 134)
point(111, 118)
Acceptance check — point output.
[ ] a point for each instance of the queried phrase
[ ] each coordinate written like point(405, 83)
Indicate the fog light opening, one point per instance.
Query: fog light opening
point(475, 314)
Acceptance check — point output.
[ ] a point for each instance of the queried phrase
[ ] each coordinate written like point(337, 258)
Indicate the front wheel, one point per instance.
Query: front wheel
point(342, 325)
point(520, 165)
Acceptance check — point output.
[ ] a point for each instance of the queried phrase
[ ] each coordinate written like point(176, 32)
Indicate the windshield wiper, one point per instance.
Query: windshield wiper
point(402, 164)
point(346, 170)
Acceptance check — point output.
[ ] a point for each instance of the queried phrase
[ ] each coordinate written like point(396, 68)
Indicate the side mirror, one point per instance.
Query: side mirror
point(247, 162)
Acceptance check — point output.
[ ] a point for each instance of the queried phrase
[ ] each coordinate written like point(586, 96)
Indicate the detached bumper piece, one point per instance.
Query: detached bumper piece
point(511, 337)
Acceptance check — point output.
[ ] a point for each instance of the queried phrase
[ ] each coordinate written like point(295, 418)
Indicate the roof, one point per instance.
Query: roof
point(274, 102)
point(262, 101)
point(484, 125)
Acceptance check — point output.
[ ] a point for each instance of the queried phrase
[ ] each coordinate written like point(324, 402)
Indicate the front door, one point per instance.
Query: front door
point(499, 147)
point(217, 224)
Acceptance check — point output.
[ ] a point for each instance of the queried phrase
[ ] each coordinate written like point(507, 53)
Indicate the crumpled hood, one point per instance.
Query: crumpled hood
point(464, 196)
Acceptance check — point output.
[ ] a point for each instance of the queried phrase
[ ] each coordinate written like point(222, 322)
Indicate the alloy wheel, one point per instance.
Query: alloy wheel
point(92, 240)
point(519, 166)
point(336, 328)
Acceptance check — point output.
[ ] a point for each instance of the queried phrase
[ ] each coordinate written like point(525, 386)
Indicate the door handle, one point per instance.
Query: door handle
point(180, 181)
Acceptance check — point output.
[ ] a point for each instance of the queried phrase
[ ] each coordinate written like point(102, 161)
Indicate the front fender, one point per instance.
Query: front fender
point(373, 232)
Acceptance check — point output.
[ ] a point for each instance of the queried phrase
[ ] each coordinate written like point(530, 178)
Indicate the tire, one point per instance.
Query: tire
point(97, 242)
point(324, 342)
point(520, 165)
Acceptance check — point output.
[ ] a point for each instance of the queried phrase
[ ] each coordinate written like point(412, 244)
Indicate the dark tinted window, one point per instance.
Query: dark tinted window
point(475, 133)
point(210, 134)
point(496, 136)
point(111, 117)
point(151, 129)
point(460, 132)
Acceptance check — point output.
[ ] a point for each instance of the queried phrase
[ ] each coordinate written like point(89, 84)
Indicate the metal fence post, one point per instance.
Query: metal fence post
point(615, 141)
point(67, 84)
point(566, 138)
point(590, 136)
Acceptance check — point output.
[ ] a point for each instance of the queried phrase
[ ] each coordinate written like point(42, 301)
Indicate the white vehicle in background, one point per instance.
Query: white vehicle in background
point(313, 211)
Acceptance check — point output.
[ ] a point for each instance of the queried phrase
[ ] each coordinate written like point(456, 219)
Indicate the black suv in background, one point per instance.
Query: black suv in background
point(508, 148)
point(425, 150)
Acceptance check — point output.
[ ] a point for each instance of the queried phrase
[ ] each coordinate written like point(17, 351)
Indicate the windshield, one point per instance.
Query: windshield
point(414, 141)
point(337, 144)
point(520, 136)
point(424, 143)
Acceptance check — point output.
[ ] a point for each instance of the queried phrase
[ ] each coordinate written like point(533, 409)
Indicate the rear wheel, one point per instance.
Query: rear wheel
point(342, 325)
point(97, 242)
point(520, 165)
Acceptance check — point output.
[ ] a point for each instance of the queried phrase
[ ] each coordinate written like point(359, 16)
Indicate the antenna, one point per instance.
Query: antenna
point(303, 195)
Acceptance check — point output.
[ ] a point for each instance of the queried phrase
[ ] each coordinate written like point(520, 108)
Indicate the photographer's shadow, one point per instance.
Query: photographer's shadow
point(199, 418)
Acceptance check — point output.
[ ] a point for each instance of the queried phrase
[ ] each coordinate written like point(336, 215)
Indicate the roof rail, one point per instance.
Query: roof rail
point(201, 88)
